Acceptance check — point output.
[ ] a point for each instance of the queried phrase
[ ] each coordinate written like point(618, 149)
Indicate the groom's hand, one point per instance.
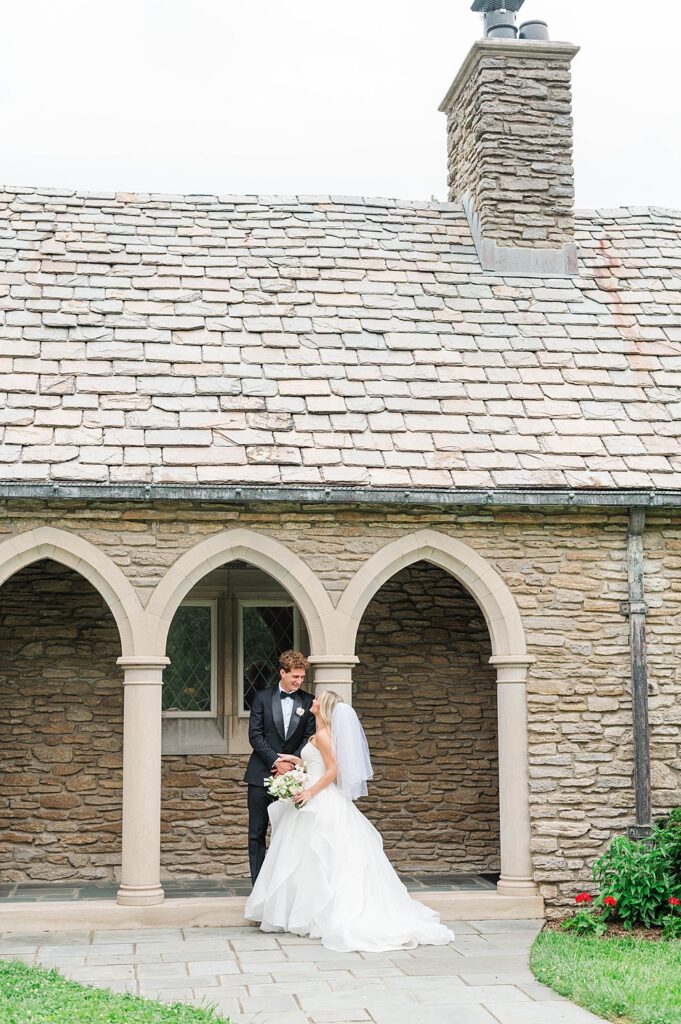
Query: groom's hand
point(282, 766)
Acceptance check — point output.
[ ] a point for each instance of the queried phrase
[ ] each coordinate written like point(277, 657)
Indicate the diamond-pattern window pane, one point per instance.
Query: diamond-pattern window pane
point(187, 680)
point(267, 631)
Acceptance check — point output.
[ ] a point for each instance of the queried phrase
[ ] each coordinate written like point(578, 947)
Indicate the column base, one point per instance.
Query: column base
point(140, 895)
point(517, 887)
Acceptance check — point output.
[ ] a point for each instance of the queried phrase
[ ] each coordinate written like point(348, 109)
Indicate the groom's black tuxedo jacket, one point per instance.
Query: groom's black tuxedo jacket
point(266, 731)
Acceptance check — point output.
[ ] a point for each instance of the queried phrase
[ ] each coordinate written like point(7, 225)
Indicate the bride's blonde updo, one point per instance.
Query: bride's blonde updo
point(327, 702)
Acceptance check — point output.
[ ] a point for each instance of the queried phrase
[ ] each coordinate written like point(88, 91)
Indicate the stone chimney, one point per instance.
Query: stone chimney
point(509, 134)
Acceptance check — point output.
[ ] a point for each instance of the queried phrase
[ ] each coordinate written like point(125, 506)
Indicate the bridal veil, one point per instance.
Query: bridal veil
point(351, 751)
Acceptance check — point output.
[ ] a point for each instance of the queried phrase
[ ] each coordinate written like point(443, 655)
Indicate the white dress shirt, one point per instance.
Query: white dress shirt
point(286, 709)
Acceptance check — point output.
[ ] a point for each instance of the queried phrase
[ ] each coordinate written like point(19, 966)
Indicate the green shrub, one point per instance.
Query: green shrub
point(643, 875)
point(672, 828)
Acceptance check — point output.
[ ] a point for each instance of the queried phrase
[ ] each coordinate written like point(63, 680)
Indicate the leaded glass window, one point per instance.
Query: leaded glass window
point(265, 630)
point(189, 680)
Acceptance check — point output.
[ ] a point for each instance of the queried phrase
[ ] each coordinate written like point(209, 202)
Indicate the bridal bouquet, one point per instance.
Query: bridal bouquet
point(283, 787)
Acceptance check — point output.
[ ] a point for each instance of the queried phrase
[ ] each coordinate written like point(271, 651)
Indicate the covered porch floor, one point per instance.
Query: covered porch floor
point(205, 902)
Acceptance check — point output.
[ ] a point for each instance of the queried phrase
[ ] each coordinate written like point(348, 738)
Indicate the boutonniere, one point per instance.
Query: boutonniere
point(300, 712)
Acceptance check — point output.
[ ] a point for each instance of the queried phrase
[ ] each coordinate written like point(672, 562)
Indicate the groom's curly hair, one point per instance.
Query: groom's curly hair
point(289, 660)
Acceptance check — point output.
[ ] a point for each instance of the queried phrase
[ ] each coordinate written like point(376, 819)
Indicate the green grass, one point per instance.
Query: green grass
point(637, 981)
point(33, 995)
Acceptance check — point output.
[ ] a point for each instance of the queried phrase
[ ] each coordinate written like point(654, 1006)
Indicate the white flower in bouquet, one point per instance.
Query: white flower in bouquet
point(286, 786)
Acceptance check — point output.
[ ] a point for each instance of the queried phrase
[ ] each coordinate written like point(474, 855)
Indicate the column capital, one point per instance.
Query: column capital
point(142, 670)
point(512, 668)
point(334, 672)
point(333, 660)
point(143, 661)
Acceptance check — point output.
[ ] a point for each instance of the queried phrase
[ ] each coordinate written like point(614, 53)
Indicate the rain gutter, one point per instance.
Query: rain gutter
point(234, 493)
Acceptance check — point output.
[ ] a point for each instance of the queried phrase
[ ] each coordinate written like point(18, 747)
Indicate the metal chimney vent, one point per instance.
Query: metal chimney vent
point(500, 20)
point(485, 6)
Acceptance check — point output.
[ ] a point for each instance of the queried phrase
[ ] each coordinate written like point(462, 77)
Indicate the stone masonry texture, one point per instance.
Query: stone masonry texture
point(426, 696)
point(510, 148)
point(61, 729)
point(567, 572)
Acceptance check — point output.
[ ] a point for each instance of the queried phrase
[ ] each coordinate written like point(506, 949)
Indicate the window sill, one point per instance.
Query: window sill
point(205, 736)
point(193, 735)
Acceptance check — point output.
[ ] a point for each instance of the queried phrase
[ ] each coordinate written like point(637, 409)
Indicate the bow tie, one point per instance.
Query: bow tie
point(285, 696)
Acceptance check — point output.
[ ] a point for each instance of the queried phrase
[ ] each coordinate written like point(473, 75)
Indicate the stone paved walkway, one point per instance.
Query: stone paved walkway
point(481, 978)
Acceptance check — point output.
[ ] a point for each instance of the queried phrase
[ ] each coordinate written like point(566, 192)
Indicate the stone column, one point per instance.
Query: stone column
point(514, 802)
point(141, 871)
point(334, 672)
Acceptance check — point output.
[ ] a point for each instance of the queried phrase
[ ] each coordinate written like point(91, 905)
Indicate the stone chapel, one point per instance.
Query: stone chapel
point(436, 445)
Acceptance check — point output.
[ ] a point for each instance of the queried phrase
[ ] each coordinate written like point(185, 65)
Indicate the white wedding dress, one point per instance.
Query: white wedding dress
point(326, 875)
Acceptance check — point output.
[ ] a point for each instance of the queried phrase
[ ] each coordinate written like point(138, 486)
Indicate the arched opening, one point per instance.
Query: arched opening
point(61, 728)
point(224, 642)
point(510, 659)
point(426, 694)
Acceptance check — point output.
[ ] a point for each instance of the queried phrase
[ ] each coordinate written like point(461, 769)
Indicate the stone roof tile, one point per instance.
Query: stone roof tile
point(329, 340)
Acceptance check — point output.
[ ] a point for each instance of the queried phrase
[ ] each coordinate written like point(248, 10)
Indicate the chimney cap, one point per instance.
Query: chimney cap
point(485, 6)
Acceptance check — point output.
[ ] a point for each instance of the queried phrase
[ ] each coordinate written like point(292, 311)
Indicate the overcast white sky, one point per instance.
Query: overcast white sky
point(314, 96)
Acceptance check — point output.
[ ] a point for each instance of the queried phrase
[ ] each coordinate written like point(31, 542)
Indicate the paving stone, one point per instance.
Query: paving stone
point(520, 978)
point(340, 1017)
point(471, 967)
point(266, 1003)
point(254, 943)
point(319, 955)
point(261, 960)
point(228, 1001)
point(193, 948)
point(507, 927)
point(169, 995)
point(60, 963)
point(221, 967)
point(163, 970)
point(540, 993)
point(445, 1015)
point(297, 986)
point(77, 938)
point(27, 958)
point(274, 1018)
point(115, 972)
point(547, 1012)
point(241, 980)
point(438, 995)
point(114, 935)
point(370, 1001)
point(122, 987)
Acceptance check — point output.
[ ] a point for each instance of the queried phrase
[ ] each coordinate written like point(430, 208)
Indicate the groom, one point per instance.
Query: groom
point(280, 725)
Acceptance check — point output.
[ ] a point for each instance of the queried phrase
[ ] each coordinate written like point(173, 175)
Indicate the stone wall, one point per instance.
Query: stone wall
point(61, 729)
point(426, 696)
point(204, 820)
point(567, 572)
point(509, 138)
point(663, 641)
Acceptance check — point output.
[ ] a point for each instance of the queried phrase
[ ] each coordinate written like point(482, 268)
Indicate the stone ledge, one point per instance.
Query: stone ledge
point(228, 911)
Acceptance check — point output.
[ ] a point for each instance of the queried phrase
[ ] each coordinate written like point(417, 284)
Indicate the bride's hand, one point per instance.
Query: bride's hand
point(303, 797)
point(292, 759)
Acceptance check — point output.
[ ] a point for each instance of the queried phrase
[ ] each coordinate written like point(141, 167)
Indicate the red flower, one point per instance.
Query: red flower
point(610, 901)
point(582, 897)
point(674, 902)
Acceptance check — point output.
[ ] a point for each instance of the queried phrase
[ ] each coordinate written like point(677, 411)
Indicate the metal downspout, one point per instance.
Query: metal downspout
point(636, 609)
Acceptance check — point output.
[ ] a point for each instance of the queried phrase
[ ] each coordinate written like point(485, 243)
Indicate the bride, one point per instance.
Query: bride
point(325, 874)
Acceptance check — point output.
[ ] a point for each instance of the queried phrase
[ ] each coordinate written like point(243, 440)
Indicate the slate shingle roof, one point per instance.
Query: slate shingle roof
point(317, 340)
